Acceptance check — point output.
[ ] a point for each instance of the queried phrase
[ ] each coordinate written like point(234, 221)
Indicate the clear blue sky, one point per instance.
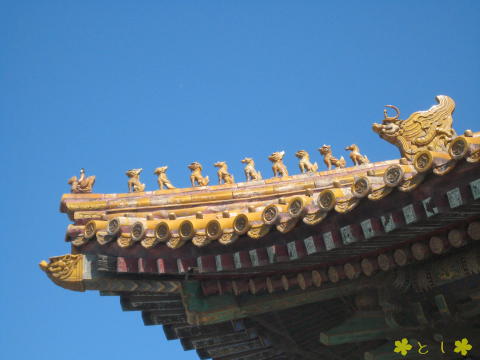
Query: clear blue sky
point(114, 85)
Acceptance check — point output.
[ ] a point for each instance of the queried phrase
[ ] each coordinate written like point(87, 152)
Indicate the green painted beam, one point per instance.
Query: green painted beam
point(362, 326)
point(204, 310)
point(385, 352)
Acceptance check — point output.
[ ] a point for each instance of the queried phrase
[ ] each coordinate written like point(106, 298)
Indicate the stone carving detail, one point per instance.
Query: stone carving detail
point(304, 163)
point(423, 130)
point(224, 177)
point(66, 271)
point(278, 167)
point(357, 158)
point(83, 184)
point(134, 184)
point(329, 159)
point(196, 175)
point(250, 172)
point(162, 179)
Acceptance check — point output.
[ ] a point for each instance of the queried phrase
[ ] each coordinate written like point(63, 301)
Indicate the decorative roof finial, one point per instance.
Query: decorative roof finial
point(162, 178)
point(134, 184)
point(196, 175)
point(304, 162)
point(357, 158)
point(329, 159)
point(83, 184)
point(279, 168)
point(250, 172)
point(391, 118)
point(223, 175)
point(423, 130)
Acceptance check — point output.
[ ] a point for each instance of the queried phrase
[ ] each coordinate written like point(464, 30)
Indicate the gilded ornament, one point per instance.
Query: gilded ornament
point(227, 238)
point(423, 161)
point(241, 224)
point(304, 163)
point(174, 242)
point(65, 271)
point(315, 218)
point(411, 183)
point(201, 240)
point(83, 184)
point(357, 158)
point(326, 200)
point(296, 207)
point(423, 130)
point(224, 177)
point(196, 175)
point(361, 187)
point(162, 179)
point(258, 232)
point(393, 175)
point(380, 193)
point(287, 226)
point(474, 157)
point(250, 173)
point(329, 159)
point(270, 214)
point(347, 205)
point(134, 184)
point(278, 167)
point(149, 242)
point(213, 229)
point(125, 241)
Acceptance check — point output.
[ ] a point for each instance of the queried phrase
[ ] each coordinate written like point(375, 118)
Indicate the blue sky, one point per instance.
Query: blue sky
point(114, 85)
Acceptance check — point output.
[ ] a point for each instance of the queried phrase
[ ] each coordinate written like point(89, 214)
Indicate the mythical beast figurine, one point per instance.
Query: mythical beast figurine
point(423, 130)
point(83, 184)
point(134, 184)
point(279, 168)
point(250, 172)
point(196, 175)
point(223, 175)
point(329, 159)
point(304, 162)
point(162, 179)
point(357, 158)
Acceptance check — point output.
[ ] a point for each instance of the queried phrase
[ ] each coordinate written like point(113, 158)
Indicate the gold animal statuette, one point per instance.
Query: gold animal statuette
point(250, 172)
point(304, 163)
point(279, 168)
point(423, 130)
point(134, 184)
point(329, 159)
point(223, 175)
point(196, 175)
point(83, 184)
point(162, 179)
point(357, 158)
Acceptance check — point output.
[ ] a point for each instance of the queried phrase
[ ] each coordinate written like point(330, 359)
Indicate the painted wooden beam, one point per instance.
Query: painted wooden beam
point(362, 326)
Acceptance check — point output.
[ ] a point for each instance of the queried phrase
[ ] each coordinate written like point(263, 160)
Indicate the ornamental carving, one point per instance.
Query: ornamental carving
point(250, 172)
point(65, 271)
point(423, 130)
point(304, 162)
point(162, 178)
point(357, 158)
point(224, 177)
point(134, 184)
point(196, 176)
point(329, 159)
point(83, 184)
point(278, 167)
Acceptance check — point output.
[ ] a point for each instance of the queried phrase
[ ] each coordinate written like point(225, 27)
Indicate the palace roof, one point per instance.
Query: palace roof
point(235, 270)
